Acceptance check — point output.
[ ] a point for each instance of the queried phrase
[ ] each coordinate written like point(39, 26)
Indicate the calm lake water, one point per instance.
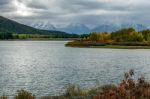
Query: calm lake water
point(45, 67)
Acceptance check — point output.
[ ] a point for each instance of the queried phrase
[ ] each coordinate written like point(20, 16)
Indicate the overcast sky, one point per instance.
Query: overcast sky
point(88, 12)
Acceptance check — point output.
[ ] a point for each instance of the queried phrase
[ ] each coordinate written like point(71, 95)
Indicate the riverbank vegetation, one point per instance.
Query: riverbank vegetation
point(128, 88)
point(123, 38)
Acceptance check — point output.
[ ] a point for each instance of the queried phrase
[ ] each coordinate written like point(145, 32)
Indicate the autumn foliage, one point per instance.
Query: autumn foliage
point(122, 35)
point(127, 89)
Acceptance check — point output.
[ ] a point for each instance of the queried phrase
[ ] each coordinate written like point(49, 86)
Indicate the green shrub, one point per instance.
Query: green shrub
point(23, 94)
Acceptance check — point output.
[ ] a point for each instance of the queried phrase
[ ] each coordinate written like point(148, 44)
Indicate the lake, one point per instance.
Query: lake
point(46, 67)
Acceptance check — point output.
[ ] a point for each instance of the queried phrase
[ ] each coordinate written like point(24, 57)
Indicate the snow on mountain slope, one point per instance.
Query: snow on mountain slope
point(43, 25)
point(78, 28)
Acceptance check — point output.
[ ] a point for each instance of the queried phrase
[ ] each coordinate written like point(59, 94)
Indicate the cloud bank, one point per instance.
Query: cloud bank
point(89, 12)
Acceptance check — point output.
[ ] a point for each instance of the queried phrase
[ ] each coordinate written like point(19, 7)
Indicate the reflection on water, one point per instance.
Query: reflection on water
point(45, 67)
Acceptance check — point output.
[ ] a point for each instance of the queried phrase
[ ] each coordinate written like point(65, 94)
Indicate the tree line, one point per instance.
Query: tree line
point(122, 35)
point(7, 35)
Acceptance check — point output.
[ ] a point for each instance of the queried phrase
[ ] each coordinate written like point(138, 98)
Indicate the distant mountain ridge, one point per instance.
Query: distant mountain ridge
point(75, 28)
point(82, 28)
point(105, 28)
point(10, 26)
point(69, 28)
point(137, 27)
point(43, 25)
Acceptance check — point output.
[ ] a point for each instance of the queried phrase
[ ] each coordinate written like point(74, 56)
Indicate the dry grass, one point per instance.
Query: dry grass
point(3, 97)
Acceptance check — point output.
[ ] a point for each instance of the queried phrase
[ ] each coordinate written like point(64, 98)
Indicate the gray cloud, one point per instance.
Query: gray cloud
point(33, 4)
point(3, 2)
point(81, 11)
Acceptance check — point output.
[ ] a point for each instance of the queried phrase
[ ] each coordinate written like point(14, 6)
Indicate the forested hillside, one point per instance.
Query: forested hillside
point(10, 29)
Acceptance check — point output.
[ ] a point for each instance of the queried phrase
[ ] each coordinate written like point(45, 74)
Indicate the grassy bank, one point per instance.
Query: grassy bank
point(115, 47)
point(128, 88)
point(125, 45)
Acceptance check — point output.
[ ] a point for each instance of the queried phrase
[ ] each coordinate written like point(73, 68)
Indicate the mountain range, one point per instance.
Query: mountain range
point(10, 26)
point(78, 28)
point(42, 27)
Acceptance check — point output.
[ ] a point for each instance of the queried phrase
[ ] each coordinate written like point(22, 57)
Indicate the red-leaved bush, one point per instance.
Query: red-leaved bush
point(127, 89)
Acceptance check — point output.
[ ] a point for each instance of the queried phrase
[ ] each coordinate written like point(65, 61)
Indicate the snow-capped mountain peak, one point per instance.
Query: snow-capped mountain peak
point(44, 25)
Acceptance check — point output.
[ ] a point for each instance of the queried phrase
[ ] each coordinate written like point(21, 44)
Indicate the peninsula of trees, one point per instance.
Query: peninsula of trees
point(123, 38)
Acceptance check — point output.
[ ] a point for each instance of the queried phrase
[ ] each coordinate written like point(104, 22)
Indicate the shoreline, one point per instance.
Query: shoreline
point(59, 39)
point(113, 47)
point(110, 46)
